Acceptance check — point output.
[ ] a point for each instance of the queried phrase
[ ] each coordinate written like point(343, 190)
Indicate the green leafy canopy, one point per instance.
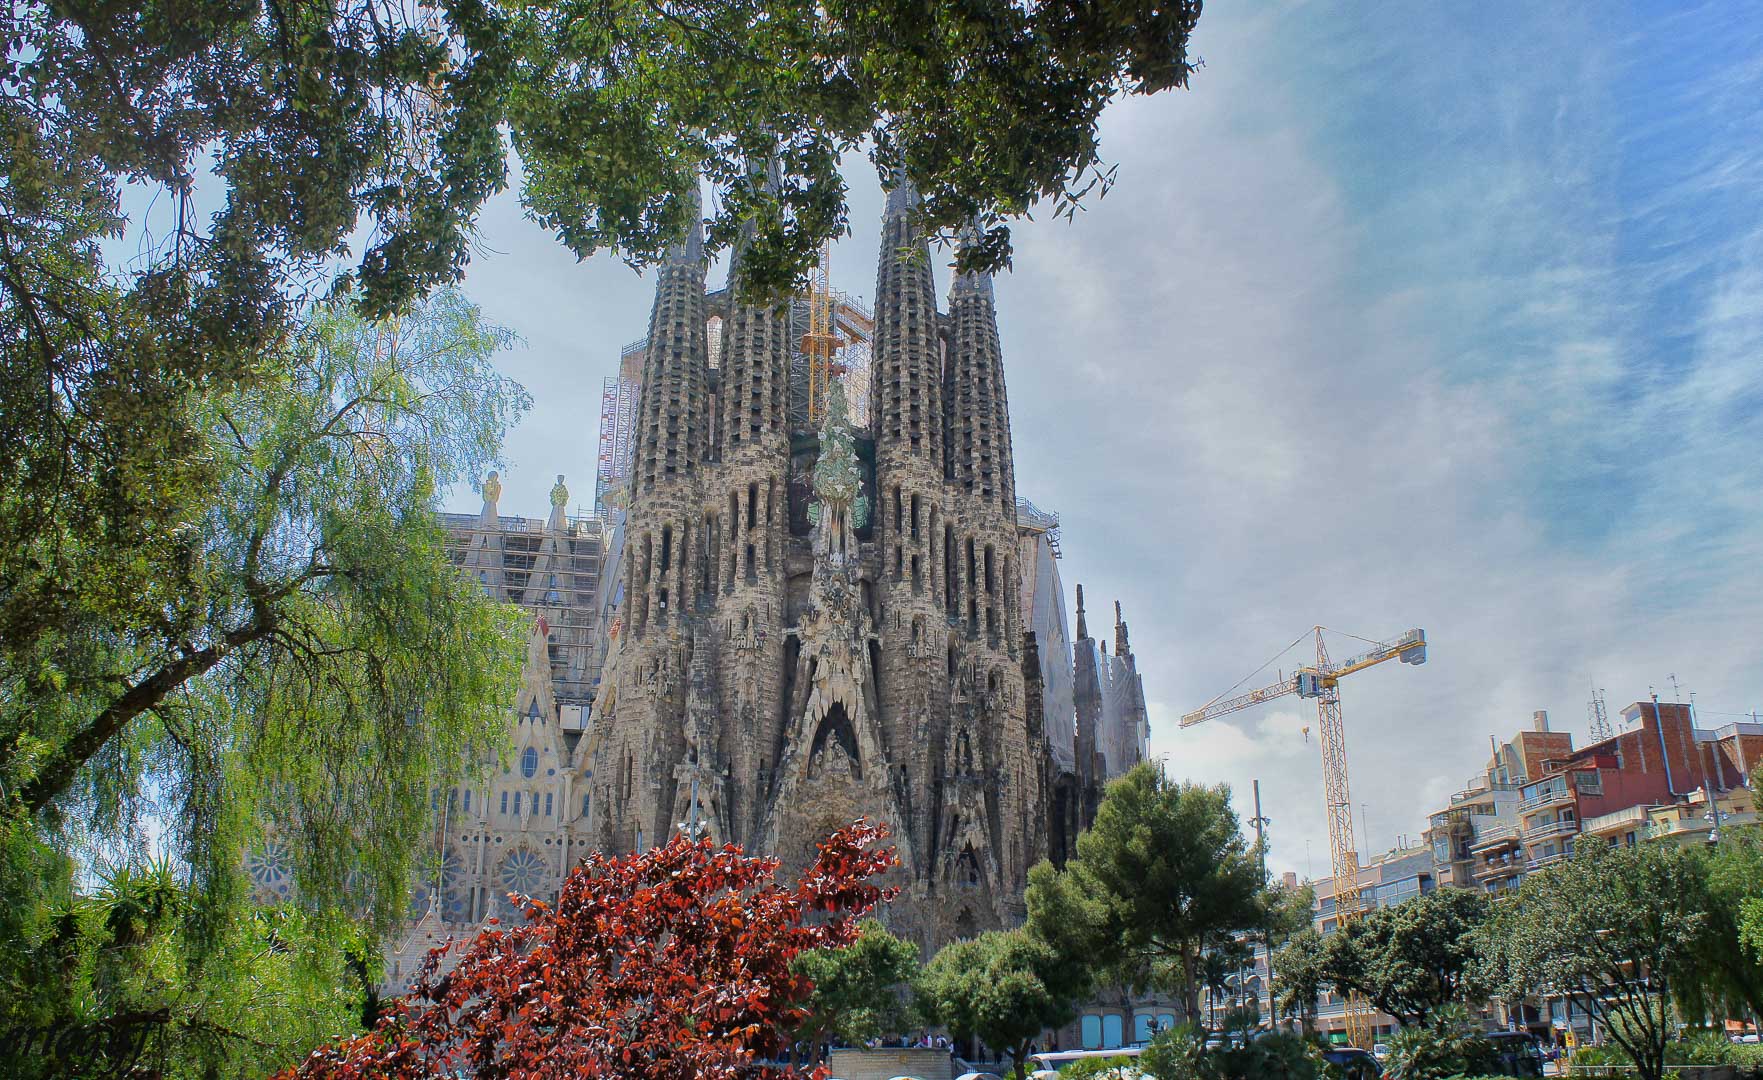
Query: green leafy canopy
point(324, 668)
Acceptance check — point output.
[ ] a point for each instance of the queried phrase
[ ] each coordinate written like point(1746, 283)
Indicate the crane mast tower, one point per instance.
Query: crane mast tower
point(1322, 683)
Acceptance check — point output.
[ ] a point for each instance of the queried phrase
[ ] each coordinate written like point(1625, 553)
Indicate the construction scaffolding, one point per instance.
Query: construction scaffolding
point(833, 349)
point(1029, 516)
point(618, 427)
point(854, 325)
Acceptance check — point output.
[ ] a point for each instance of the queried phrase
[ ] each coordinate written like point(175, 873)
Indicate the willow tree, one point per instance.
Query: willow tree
point(324, 668)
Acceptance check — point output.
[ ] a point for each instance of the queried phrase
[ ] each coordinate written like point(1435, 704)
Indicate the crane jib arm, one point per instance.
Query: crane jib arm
point(1410, 648)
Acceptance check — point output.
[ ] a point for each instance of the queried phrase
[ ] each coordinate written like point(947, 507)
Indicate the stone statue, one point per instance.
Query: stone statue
point(839, 506)
point(492, 488)
point(559, 493)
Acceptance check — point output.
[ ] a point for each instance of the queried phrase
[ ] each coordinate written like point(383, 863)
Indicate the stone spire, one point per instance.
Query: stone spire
point(1087, 696)
point(906, 402)
point(690, 250)
point(977, 414)
point(1120, 646)
point(672, 439)
point(672, 420)
point(971, 281)
point(756, 348)
point(770, 178)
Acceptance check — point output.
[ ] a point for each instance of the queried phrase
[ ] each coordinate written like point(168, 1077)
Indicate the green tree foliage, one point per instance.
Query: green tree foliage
point(1003, 987)
point(1411, 958)
point(118, 997)
point(1181, 1054)
point(1163, 876)
point(860, 991)
point(1218, 966)
point(1611, 928)
point(1727, 979)
point(324, 671)
point(1444, 1044)
point(1299, 976)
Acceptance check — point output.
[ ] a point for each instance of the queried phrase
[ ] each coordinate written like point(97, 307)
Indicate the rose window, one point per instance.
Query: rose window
point(268, 867)
point(523, 872)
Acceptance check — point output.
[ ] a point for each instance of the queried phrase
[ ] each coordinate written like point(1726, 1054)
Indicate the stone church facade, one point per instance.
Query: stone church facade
point(804, 627)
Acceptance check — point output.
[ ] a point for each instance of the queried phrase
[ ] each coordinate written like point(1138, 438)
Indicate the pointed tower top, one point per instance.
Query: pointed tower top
point(771, 178)
point(690, 251)
point(1083, 631)
point(970, 283)
point(1120, 643)
point(902, 196)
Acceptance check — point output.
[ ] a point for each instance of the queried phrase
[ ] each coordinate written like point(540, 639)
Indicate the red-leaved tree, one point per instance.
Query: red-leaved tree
point(673, 964)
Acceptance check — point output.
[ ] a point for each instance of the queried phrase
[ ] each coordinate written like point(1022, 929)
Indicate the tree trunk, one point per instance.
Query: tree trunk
point(64, 765)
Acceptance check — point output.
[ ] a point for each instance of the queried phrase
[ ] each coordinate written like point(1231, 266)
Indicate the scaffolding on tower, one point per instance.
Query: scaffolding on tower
point(618, 427)
point(822, 342)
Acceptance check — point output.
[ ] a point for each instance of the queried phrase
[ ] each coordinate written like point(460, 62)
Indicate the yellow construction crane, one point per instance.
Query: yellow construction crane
point(822, 341)
point(1322, 682)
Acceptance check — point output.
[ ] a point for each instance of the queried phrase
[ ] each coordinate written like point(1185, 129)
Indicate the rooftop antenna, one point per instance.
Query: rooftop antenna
point(1599, 715)
point(1676, 691)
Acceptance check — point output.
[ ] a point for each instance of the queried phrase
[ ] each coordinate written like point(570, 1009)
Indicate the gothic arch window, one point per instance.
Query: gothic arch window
point(835, 727)
point(967, 869)
point(455, 893)
point(529, 762)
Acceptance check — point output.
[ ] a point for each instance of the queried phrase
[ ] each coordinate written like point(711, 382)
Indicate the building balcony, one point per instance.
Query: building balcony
point(1619, 821)
point(1502, 836)
point(1546, 860)
point(1664, 828)
point(1495, 869)
point(1550, 829)
point(1551, 796)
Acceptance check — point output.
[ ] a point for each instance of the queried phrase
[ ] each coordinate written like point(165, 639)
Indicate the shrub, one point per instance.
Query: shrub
point(1115, 1068)
point(1703, 1048)
point(1278, 1056)
point(1443, 1047)
point(1180, 1054)
point(1177, 1054)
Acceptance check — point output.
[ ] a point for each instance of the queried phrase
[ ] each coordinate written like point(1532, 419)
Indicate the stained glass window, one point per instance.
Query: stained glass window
point(523, 871)
point(269, 869)
point(529, 762)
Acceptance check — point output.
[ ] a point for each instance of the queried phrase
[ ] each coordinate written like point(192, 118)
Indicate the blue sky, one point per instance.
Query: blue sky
point(1402, 316)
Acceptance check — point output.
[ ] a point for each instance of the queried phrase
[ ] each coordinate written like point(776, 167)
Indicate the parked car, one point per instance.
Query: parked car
point(1355, 1063)
point(1521, 1053)
point(1380, 1051)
